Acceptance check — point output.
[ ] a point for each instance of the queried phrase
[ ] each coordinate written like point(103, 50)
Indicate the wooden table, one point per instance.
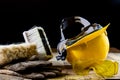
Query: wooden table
point(70, 75)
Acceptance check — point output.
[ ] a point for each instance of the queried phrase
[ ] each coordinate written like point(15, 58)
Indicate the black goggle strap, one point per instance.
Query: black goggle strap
point(61, 47)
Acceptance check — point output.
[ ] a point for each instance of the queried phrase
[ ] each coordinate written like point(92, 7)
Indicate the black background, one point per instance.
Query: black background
point(17, 16)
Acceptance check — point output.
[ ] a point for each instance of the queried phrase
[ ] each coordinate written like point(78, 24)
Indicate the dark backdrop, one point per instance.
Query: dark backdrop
point(17, 16)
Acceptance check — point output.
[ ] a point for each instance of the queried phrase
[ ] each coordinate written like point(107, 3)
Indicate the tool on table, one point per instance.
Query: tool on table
point(37, 35)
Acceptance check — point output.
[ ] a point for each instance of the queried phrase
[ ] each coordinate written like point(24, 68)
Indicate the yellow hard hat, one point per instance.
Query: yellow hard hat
point(88, 50)
point(92, 46)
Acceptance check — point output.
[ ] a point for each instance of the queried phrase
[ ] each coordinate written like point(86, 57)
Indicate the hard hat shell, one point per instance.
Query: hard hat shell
point(93, 46)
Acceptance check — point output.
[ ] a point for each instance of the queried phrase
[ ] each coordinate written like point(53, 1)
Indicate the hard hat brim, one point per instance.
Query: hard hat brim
point(89, 36)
